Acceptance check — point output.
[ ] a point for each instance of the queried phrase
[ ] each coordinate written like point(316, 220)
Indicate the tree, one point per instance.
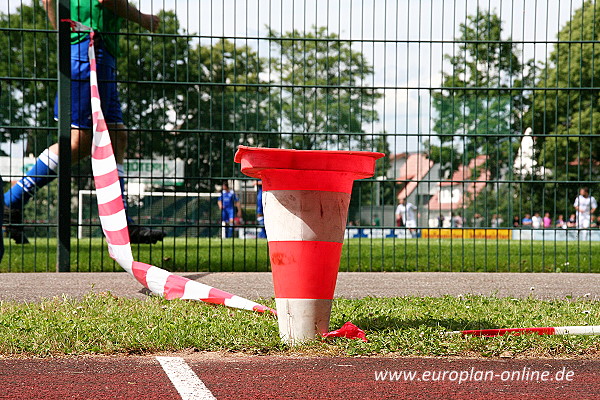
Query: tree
point(478, 109)
point(565, 113)
point(324, 100)
point(195, 102)
point(28, 62)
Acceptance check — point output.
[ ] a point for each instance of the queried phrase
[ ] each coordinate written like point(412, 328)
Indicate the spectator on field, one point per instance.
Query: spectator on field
point(527, 222)
point(572, 222)
point(516, 222)
point(585, 205)
point(536, 221)
point(230, 206)
point(477, 220)
point(496, 221)
point(376, 220)
point(560, 222)
point(457, 221)
point(597, 222)
point(399, 221)
point(441, 220)
point(408, 212)
point(547, 221)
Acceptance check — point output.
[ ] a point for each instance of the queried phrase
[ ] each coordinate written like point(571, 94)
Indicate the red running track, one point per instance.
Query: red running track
point(262, 377)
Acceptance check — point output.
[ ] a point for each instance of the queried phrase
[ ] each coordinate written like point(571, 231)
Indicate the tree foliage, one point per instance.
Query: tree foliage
point(195, 102)
point(478, 108)
point(324, 99)
point(565, 110)
point(28, 66)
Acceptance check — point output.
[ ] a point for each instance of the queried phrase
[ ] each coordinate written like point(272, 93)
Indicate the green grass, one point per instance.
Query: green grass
point(408, 326)
point(195, 254)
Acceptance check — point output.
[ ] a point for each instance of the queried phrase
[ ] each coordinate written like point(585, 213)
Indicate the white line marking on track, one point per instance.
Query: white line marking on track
point(185, 380)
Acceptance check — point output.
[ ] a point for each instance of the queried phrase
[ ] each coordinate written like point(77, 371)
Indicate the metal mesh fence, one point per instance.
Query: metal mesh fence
point(486, 110)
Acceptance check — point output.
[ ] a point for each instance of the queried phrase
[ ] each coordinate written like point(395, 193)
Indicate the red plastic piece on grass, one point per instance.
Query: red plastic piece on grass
point(348, 330)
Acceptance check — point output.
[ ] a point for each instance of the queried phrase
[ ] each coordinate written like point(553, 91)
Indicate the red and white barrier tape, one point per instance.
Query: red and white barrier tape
point(114, 220)
point(559, 330)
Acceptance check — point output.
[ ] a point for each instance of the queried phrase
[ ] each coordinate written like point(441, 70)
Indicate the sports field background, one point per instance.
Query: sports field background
point(487, 112)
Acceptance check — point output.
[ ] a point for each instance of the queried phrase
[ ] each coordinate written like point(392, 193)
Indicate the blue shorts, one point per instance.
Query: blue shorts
point(81, 107)
point(227, 215)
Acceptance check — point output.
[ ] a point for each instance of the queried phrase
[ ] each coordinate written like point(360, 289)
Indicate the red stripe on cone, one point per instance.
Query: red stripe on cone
point(174, 287)
point(305, 269)
point(140, 270)
point(112, 207)
point(322, 181)
point(254, 160)
point(119, 237)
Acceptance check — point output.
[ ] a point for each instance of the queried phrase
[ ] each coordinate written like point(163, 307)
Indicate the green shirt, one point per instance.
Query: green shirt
point(92, 14)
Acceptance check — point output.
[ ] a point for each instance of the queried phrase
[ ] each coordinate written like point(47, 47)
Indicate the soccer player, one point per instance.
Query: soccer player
point(260, 217)
point(585, 205)
point(407, 211)
point(228, 204)
point(105, 17)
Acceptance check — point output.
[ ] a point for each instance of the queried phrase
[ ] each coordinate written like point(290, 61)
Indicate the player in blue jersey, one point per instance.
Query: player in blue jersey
point(260, 214)
point(229, 204)
point(105, 17)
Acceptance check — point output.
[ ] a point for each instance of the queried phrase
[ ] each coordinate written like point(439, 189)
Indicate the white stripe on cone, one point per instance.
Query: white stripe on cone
point(301, 320)
point(155, 277)
point(305, 215)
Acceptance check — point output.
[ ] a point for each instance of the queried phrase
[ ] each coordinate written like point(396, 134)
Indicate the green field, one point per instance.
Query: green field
point(408, 326)
point(194, 254)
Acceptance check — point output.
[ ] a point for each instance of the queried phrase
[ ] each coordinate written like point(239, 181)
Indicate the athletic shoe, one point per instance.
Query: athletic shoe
point(15, 232)
point(143, 235)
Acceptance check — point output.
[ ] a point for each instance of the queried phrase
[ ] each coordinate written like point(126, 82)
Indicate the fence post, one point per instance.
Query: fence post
point(63, 251)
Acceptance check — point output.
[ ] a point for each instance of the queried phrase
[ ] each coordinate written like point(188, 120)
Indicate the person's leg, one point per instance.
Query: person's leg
point(42, 173)
point(584, 228)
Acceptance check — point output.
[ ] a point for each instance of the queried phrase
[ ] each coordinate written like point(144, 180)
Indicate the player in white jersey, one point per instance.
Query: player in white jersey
point(408, 213)
point(585, 205)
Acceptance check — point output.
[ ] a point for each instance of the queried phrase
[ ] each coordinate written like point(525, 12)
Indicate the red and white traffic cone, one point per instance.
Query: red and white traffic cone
point(306, 195)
